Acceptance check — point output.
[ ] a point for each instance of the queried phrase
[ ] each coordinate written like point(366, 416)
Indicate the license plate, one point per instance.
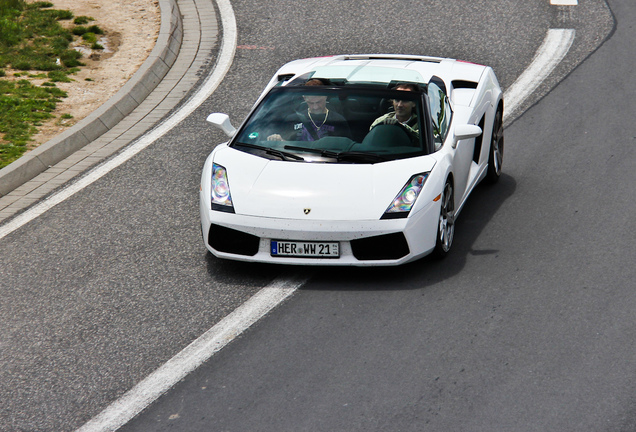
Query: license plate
point(305, 249)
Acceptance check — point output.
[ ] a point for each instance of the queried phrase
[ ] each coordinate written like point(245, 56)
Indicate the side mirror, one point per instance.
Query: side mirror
point(222, 121)
point(468, 131)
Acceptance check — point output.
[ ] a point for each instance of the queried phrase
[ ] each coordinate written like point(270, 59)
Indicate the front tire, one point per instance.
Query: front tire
point(446, 224)
point(495, 157)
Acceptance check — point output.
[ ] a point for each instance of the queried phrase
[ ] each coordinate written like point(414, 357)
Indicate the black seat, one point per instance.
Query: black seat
point(386, 136)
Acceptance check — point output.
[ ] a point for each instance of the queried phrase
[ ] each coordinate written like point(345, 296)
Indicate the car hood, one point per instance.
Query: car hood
point(315, 191)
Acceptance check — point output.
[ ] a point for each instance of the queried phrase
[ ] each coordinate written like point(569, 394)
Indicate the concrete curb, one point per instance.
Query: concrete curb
point(131, 95)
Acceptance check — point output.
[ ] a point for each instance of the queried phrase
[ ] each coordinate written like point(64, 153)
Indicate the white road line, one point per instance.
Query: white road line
point(564, 2)
point(191, 357)
point(555, 46)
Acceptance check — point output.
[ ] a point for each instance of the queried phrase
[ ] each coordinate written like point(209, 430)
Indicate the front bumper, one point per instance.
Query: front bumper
point(362, 243)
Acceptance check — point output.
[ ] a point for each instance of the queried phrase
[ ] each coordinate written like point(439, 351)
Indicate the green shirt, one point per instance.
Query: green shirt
point(411, 125)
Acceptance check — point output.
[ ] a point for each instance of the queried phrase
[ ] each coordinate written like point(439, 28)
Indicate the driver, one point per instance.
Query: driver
point(317, 122)
point(403, 112)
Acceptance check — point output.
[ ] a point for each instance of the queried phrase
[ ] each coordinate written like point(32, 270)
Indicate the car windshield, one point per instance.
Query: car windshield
point(348, 124)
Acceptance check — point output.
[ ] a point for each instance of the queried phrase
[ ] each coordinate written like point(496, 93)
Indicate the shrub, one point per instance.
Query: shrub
point(11, 32)
point(59, 76)
point(95, 29)
point(64, 14)
point(79, 30)
point(89, 37)
point(11, 7)
point(80, 20)
point(40, 5)
point(70, 58)
point(22, 65)
point(59, 44)
point(46, 65)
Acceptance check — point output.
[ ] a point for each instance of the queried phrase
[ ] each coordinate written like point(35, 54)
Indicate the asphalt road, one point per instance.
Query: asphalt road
point(528, 325)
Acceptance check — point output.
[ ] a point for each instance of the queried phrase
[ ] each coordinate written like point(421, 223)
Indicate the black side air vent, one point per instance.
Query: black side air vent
point(479, 141)
point(285, 77)
point(463, 84)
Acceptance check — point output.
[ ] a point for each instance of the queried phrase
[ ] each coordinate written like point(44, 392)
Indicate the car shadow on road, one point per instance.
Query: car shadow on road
point(478, 211)
point(240, 272)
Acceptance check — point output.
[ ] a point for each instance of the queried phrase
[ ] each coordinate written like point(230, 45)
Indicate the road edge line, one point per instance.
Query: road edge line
point(555, 46)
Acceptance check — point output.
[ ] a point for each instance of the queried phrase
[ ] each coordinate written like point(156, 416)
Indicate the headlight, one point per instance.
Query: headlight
point(221, 197)
point(403, 202)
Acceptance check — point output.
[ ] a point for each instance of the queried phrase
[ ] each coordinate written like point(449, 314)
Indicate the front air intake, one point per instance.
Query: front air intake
point(229, 240)
point(384, 247)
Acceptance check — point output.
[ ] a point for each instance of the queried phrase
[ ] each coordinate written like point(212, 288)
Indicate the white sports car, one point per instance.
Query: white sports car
point(362, 160)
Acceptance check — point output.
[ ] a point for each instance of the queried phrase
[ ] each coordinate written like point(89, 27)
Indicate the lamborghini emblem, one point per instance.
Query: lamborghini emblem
point(306, 211)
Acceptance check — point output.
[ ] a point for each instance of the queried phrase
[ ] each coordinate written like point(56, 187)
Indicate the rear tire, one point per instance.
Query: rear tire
point(495, 156)
point(446, 224)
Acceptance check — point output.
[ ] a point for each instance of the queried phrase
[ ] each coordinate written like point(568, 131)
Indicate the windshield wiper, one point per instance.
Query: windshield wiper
point(281, 154)
point(356, 156)
point(305, 149)
point(351, 156)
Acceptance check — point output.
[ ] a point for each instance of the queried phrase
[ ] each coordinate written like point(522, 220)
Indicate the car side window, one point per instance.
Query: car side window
point(441, 112)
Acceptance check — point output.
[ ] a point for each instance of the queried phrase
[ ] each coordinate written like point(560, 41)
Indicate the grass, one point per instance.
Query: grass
point(35, 47)
point(23, 107)
point(81, 20)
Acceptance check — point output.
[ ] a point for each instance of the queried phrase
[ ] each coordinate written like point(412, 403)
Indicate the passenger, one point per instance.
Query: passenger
point(318, 122)
point(403, 112)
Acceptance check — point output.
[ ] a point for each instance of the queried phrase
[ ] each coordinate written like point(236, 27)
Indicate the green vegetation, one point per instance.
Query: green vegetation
point(81, 20)
point(35, 47)
point(81, 30)
point(23, 106)
point(58, 76)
